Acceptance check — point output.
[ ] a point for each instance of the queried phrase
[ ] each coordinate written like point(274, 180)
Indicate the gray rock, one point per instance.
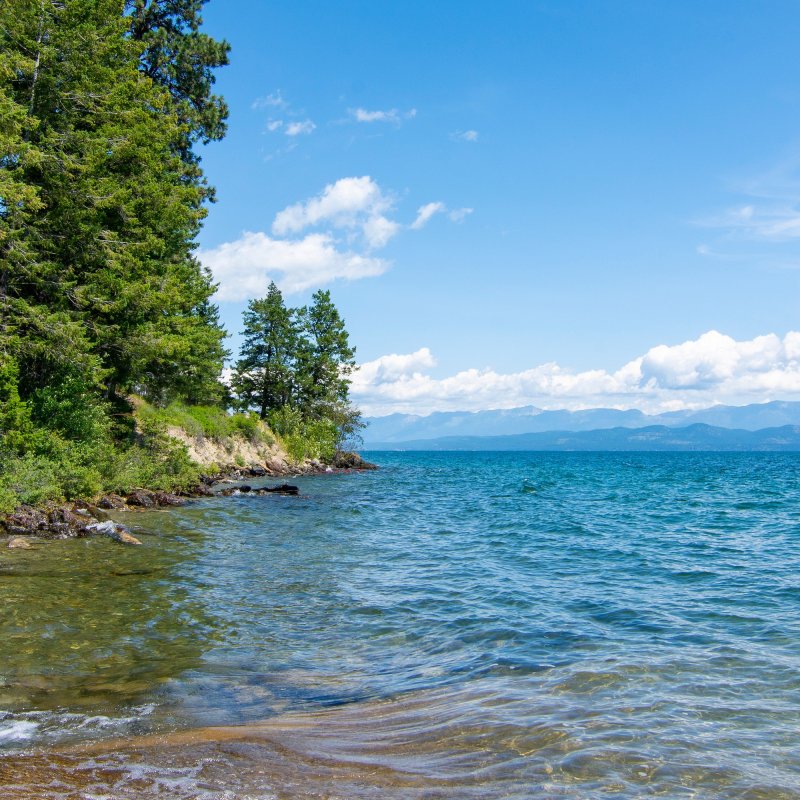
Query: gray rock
point(142, 498)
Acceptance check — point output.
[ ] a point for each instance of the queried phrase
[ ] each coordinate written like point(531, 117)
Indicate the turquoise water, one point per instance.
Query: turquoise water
point(453, 625)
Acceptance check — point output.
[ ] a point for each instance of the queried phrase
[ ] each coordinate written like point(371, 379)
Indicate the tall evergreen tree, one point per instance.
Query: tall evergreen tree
point(182, 59)
point(264, 377)
point(108, 283)
point(325, 359)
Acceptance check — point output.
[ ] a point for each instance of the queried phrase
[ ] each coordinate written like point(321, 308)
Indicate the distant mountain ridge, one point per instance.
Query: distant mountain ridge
point(397, 428)
point(659, 438)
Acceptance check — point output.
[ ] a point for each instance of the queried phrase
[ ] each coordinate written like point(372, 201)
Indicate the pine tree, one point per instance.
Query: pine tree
point(325, 359)
point(264, 378)
point(182, 59)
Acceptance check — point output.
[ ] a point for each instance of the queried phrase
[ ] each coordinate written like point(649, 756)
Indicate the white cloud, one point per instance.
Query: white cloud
point(378, 230)
point(465, 136)
point(340, 203)
point(299, 128)
point(244, 268)
point(394, 367)
point(713, 368)
point(424, 213)
point(350, 203)
point(274, 125)
point(349, 220)
point(391, 115)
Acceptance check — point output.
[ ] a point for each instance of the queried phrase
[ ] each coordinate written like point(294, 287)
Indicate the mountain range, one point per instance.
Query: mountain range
point(718, 427)
point(696, 437)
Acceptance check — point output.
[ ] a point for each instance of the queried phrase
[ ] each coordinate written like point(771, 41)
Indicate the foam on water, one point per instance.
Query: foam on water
point(16, 730)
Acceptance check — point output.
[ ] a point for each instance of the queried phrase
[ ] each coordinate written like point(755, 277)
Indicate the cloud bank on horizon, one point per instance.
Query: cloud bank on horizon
point(714, 368)
point(332, 236)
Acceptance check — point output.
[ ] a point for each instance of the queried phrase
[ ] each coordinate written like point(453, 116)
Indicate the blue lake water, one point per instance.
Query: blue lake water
point(453, 625)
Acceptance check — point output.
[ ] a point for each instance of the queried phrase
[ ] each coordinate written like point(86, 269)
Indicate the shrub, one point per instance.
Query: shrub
point(304, 439)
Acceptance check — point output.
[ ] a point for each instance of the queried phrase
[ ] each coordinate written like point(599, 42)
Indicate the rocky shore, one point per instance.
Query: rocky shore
point(92, 518)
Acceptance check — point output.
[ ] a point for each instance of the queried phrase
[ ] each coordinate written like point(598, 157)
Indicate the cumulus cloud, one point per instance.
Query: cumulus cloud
point(713, 368)
point(392, 115)
point(465, 136)
point(244, 268)
point(357, 204)
point(331, 236)
point(393, 368)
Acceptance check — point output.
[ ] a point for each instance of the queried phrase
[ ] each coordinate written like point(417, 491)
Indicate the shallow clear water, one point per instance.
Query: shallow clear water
point(453, 625)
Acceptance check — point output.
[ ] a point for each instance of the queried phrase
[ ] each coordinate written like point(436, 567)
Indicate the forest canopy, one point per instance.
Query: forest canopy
point(101, 199)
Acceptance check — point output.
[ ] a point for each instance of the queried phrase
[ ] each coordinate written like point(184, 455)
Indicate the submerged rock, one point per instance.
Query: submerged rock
point(19, 543)
point(284, 488)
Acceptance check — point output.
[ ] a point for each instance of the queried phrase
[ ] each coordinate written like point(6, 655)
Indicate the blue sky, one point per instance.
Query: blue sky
point(562, 204)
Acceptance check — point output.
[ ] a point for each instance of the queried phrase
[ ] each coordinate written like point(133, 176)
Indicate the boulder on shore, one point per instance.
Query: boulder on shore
point(50, 523)
point(111, 501)
point(345, 460)
point(143, 498)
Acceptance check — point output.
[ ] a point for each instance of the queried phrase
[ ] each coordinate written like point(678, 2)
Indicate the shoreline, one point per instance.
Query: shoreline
point(80, 518)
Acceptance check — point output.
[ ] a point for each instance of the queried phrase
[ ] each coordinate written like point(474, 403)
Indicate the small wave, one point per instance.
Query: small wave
point(17, 731)
point(27, 727)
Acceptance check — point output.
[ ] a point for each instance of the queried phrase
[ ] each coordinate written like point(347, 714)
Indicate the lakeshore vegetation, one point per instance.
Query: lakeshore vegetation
point(108, 332)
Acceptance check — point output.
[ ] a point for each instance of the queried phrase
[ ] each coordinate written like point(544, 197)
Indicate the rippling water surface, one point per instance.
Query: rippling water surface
point(454, 625)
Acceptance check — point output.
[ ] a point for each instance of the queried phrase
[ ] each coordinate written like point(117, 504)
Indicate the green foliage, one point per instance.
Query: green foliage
point(264, 374)
point(180, 58)
point(303, 438)
point(157, 461)
point(100, 204)
point(101, 199)
point(29, 479)
point(71, 408)
point(250, 427)
point(211, 422)
point(325, 359)
point(16, 426)
point(295, 367)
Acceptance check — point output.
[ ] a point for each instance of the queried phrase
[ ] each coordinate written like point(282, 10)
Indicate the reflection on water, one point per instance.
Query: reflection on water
point(89, 627)
point(455, 625)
